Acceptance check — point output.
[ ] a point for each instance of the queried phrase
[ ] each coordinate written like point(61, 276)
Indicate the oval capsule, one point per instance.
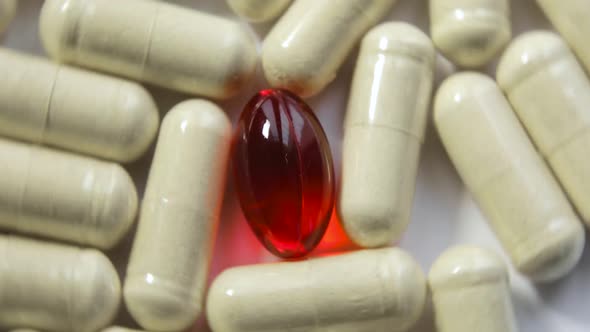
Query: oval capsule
point(550, 93)
point(471, 291)
point(151, 41)
point(56, 288)
point(570, 18)
point(64, 196)
point(74, 109)
point(170, 258)
point(120, 329)
point(509, 180)
point(470, 32)
point(309, 43)
point(368, 290)
point(7, 13)
point(258, 10)
point(384, 131)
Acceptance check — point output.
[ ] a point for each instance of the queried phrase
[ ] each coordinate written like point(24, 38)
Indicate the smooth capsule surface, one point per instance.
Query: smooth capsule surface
point(384, 131)
point(470, 33)
point(551, 95)
point(369, 290)
point(570, 18)
point(511, 183)
point(304, 50)
point(7, 13)
point(471, 291)
point(151, 41)
point(64, 196)
point(258, 10)
point(120, 329)
point(74, 109)
point(169, 262)
point(54, 287)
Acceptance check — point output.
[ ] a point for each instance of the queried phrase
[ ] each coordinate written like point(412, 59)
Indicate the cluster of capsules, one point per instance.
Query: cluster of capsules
point(519, 145)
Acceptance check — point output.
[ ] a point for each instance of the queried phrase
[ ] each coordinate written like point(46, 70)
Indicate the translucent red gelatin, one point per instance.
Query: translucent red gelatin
point(283, 173)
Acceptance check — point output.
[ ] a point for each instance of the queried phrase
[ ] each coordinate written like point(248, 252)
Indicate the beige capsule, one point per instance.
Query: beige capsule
point(258, 10)
point(7, 13)
point(471, 291)
point(570, 18)
point(368, 290)
point(509, 180)
point(384, 131)
point(53, 287)
point(310, 42)
point(551, 95)
point(169, 263)
point(74, 109)
point(120, 329)
point(151, 41)
point(64, 196)
point(470, 32)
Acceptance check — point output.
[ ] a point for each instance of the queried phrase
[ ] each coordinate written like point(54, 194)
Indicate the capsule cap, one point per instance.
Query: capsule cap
point(57, 24)
point(399, 38)
point(459, 87)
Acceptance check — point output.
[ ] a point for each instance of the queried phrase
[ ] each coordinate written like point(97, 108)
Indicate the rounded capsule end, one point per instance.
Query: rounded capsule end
point(56, 26)
point(201, 113)
point(221, 301)
point(242, 67)
point(402, 38)
point(258, 11)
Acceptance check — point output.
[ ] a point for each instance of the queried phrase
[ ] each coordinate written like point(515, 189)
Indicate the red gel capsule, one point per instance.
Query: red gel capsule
point(283, 173)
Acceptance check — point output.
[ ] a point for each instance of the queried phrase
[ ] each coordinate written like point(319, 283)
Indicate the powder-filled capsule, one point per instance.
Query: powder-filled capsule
point(258, 10)
point(369, 290)
point(64, 196)
point(309, 43)
point(169, 262)
point(151, 41)
point(471, 291)
point(509, 180)
point(550, 93)
point(54, 287)
point(7, 13)
point(74, 109)
point(383, 132)
point(470, 32)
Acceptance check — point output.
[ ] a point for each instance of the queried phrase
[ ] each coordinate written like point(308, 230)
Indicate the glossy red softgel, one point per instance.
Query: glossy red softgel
point(283, 173)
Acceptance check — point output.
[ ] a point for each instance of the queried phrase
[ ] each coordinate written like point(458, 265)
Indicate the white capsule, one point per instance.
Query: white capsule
point(170, 258)
point(512, 185)
point(151, 41)
point(120, 329)
point(471, 292)
point(64, 196)
point(55, 287)
point(367, 290)
point(310, 42)
point(7, 13)
point(383, 132)
point(258, 10)
point(551, 95)
point(570, 18)
point(73, 109)
point(470, 32)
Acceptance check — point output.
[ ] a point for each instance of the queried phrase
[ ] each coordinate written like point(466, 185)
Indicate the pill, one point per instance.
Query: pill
point(470, 33)
point(510, 181)
point(120, 329)
point(383, 132)
point(151, 41)
point(7, 13)
point(311, 41)
point(170, 258)
point(366, 290)
point(471, 291)
point(258, 10)
point(64, 196)
point(54, 287)
point(570, 18)
point(550, 94)
point(73, 109)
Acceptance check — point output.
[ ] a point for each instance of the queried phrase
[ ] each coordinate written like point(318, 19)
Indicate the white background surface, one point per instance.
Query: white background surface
point(444, 213)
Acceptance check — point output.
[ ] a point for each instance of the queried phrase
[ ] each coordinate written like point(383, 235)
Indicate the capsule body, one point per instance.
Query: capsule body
point(368, 290)
point(309, 43)
point(170, 257)
point(7, 12)
point(73, 109)
point(120, 329)
point(151, 41)
point(54, 287)
point(471, 292)
point(470, 33)
point(64, 196)
point(258, 10)
point(551, 95)
point(383, 133)
point(512, 185)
